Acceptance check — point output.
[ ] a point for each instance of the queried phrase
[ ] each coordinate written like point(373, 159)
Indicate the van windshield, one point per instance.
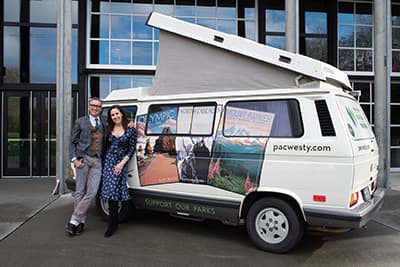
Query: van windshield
point(356, 122)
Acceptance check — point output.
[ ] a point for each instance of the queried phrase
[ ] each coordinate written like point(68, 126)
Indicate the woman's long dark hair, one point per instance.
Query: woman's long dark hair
point(111, 124)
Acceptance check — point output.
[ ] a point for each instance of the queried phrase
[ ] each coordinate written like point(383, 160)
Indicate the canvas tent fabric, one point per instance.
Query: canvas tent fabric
point(193, 58)
point(185, 65)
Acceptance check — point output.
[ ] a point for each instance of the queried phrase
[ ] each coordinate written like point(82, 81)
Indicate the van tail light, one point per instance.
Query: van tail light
point(353, 199)
point(319, 198)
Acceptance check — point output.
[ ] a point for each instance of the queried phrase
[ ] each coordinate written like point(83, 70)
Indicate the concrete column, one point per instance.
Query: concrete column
point(292, 25)
point(63, 94)
point(382, 81)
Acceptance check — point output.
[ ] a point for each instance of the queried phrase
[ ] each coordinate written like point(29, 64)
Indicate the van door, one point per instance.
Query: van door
point(365, 149)
point(176, 140)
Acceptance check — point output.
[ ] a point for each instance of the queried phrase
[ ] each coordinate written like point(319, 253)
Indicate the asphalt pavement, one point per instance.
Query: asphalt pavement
point(21, 199)
point(32, 223)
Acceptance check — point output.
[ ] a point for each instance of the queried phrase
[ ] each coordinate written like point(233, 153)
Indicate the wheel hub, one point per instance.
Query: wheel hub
point(272, 225)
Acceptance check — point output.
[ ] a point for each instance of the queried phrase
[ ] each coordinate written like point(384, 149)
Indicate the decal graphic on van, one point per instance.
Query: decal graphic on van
point(168, 158)
point(193, 158)
point(351, 130)
point(232, 161)
point(156, 154)
point(301, 148)
point(194, 152)
point(237, 157)
point(356, 121)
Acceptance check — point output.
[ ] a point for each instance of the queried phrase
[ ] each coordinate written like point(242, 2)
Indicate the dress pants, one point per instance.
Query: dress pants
point(87, 183)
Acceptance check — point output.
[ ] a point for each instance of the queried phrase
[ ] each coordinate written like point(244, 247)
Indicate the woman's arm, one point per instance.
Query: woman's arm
point(132, 143)
point(131, 150)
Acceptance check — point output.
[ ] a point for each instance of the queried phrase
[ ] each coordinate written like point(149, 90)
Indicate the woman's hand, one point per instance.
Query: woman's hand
point(118, 167)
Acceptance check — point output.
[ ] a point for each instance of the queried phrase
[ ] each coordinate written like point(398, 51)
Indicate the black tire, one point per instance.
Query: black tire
point(123, 209)
point(274, 225)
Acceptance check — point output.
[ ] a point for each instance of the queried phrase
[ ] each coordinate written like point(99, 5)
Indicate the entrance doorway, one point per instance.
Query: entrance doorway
point(29, 135)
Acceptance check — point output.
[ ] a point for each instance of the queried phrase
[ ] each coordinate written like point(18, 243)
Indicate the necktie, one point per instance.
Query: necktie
point(97, 122)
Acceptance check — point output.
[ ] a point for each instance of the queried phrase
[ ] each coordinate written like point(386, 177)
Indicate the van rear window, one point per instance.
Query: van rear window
point(356, 122)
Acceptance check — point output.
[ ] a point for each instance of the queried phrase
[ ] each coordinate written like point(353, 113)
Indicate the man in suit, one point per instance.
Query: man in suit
point(86, 149)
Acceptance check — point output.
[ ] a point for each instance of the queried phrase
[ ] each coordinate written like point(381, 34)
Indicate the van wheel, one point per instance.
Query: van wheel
point(273, 225)
point(102, 208)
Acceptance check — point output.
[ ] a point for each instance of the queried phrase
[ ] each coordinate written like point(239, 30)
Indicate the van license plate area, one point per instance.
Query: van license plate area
point(366, 194)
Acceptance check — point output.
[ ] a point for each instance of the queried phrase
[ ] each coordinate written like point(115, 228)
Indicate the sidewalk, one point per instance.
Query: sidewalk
point(395, 181)
point(21, 199)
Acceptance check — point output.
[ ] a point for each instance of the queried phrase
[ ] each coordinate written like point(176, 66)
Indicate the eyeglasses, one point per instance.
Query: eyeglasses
point(95, 106)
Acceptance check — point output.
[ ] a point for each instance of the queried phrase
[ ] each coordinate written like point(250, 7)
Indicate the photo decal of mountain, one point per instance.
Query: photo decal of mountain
point(237, 157)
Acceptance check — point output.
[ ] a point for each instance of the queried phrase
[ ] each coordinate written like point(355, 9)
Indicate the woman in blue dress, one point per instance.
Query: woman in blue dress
point(121, 143)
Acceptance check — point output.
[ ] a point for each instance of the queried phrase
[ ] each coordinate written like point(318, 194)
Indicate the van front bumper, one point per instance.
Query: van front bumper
point(349, 218)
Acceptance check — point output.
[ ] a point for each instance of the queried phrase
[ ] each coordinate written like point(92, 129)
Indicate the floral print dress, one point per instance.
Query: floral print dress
point(114, 185)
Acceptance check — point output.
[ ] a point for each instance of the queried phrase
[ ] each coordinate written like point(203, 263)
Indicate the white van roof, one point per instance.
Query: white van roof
point(191, 58)
point(139, 94)
point(130, 94)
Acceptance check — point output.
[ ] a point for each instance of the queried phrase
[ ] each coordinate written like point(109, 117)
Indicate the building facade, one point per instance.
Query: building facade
point(114, 49)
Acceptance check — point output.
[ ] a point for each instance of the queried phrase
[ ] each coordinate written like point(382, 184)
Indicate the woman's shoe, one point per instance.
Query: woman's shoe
point(112, 218)
point(110, 230)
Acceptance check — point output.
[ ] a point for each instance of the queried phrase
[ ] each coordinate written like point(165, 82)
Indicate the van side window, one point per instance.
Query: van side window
point(181, 119)
point(267, 118)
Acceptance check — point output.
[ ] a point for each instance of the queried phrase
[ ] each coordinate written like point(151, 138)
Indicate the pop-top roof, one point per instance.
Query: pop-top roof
point(193, 58)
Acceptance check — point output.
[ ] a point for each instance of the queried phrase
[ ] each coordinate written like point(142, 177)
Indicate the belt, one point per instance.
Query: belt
point(95, 155)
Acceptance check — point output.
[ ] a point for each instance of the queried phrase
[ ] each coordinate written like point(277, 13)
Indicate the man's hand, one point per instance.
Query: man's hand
point(131, 124)
point(78, 163)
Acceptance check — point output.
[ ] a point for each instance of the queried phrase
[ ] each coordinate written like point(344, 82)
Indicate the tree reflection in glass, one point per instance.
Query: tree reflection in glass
point(363, 60)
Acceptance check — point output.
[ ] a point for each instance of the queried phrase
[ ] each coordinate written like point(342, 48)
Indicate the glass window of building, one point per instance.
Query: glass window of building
point(12, 54)
point(316, 35)
point(102, 85)
point(42, 63)
point(12, 10)
point(314, 29)
point(272, 15)
point(119, 35)
point(367, 97)
point(37, 8)
point(246, 14)
point(396, 37)
point(395, 124)
point(29, 41)
point(355, 36)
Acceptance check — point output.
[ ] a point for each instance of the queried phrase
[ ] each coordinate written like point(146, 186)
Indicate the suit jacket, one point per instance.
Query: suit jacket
point(81, 136)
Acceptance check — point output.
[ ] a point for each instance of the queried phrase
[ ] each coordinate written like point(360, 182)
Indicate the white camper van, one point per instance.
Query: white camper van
point(248, 134)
